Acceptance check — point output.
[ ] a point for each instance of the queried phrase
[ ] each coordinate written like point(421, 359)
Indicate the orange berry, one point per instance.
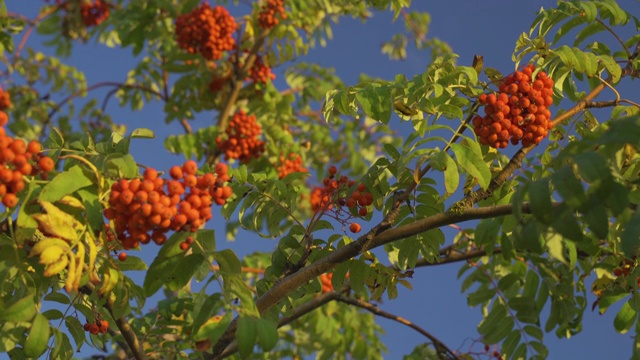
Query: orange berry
point(122, 256)
point(355, 228)
point(190, 167)
point(46, 164)
point(10, 200)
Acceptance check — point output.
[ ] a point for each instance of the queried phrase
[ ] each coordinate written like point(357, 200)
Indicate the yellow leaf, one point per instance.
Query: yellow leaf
point(57, 267)
point(80, 252)
point(109, 281)
point(47, 242)
point(93, 253)
point(51, 254)
point(71, 201)
point(71, 274)
point(58, 223)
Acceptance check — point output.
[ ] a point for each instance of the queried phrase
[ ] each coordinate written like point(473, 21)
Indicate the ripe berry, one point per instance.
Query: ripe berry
point(86, 326)
point(355, 228)
point(46, 164)
point(104, 326)
point(94, 329)
point(122, 256)
point(184, 246)
point(10, 200)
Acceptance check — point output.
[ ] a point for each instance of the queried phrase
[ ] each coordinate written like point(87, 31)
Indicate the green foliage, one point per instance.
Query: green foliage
point(543, 239)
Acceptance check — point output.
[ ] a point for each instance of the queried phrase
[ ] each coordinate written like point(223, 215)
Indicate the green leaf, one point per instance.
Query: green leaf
point(38, 337)
point(132, 263)
point(267, 332)
point(376, 102)
point(473, 164)
point(630, 240)
point(65, 183)
point(77, 331)
point(228, 261)
point(246, 335)
point(625, 318)
point(23, 309)
point(143, 133)
point(183, 273)
point(540, 200)
point(612, 67)
point(451, 176)
point(358, 271)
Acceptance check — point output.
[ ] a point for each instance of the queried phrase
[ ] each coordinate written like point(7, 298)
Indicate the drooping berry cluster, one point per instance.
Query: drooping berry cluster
point(5, 100)
point(207, 31)
point(217, 82)
point(94, 12)
point(242, 140)
point(290, 164)
point(146, 209)
point(325, 280)
point(334, 192)
point(518, 112)
point(260, 72)
point(270, 13)
point(17, 160)
point(98, 327)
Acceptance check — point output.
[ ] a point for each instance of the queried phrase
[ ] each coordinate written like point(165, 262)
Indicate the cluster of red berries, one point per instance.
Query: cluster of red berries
point(146, 209)
point(518, 112)
point(217, 82)
point(94, 12)
point(325, 280)
point(269, 13)
point(624, 271)
point(334, 193)
point(260, 72)
point(5, 100)
point(242, 140)
point(492, 353)
point(207, 31)
point(17, 160)
point(99, 327)
point(290, 164)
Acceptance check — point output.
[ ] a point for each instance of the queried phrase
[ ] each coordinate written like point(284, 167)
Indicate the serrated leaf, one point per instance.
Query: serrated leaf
point(23, 309)
point(143, 133)
point(65, 183)
point(77, 332)
point(625, 318)
point(473, 164)
point(246, 335)
point(267, 333)
point(36, 342)
point(58, 223)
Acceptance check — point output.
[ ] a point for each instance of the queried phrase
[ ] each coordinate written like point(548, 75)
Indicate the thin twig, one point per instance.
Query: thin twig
point(439, 345)
point(615, 36)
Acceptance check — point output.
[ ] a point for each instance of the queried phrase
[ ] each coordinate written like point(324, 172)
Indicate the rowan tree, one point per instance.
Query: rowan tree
point(536, 166)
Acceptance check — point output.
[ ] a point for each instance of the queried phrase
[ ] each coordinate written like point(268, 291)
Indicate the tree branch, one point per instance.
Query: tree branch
point(366, 242)
point(439, 345)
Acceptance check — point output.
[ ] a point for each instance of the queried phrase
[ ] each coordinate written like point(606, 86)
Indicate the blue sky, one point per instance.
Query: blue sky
point(487, 28)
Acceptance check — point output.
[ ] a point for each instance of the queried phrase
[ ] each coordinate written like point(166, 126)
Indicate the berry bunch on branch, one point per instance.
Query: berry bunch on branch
point(260, 73)
point(334, 196)
point(18, 159)
point(146, 209)
point(94, 12)
point(207, 31)
point(290, 164)
point(100, 326)
point(242, 138)
point(518, 112)
point(271, 13)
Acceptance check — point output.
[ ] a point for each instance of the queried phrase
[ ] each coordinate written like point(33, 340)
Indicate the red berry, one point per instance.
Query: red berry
point(122, 256)
point(355, 228)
